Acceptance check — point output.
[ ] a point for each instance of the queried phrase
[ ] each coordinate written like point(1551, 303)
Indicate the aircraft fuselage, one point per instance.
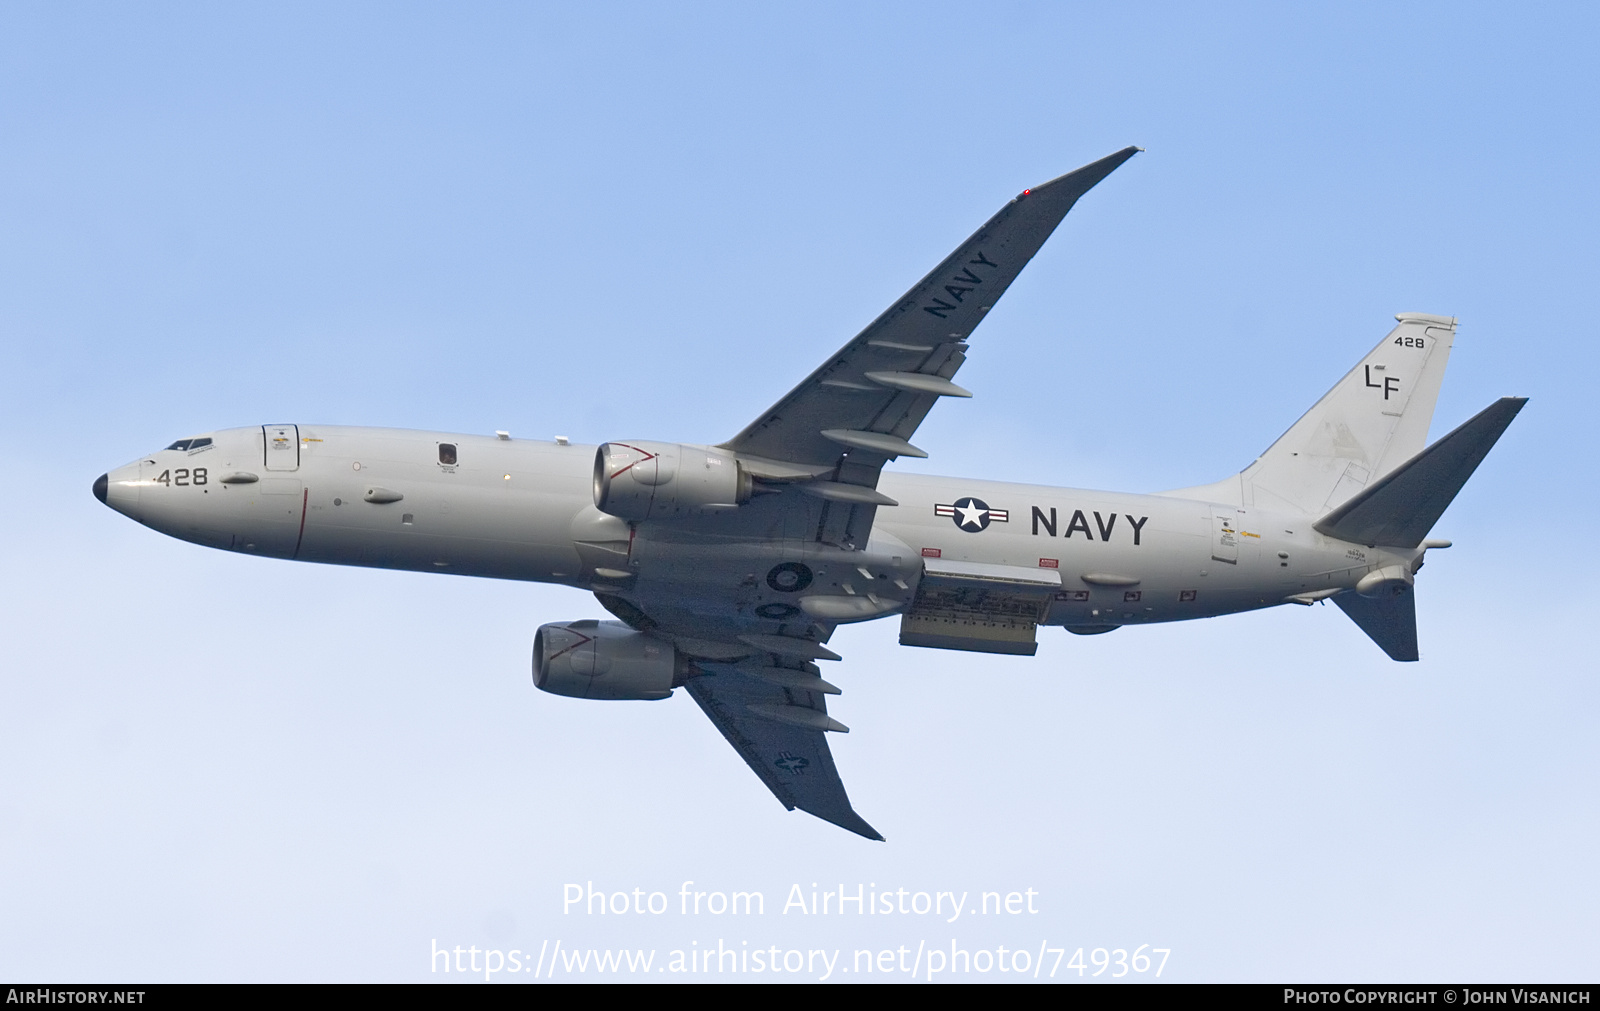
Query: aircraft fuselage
point(523, 509)
point(729, 567)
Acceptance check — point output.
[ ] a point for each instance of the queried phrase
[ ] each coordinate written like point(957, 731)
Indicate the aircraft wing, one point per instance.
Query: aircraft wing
point(778, 731)
point(816, 456)
point(860, 408)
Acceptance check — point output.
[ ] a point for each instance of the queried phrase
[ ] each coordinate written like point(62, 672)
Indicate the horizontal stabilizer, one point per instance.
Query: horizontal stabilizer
point(1390, 620)
point(1400, 508)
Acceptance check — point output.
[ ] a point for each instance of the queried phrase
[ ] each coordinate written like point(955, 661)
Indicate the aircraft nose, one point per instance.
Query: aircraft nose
point(119, 490)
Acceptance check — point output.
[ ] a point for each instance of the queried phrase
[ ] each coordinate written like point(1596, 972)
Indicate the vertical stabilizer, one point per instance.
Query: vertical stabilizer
point(1375, 419)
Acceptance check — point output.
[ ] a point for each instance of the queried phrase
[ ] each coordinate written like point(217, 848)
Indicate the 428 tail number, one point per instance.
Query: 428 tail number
point(183, 477)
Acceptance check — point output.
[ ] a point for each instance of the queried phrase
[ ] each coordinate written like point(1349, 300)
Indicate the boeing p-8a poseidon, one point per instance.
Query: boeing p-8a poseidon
point(728, 567)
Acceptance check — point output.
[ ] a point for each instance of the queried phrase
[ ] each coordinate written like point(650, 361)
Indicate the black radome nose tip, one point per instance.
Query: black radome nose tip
point(100, 484)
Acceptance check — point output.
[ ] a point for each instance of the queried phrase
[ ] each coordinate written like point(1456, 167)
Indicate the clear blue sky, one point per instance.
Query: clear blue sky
point(651, 221)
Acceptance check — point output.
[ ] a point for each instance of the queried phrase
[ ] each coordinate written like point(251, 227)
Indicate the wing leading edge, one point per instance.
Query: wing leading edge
point(865, 402)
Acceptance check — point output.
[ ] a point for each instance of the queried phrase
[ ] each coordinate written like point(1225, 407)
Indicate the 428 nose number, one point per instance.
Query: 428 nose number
point(183, 477)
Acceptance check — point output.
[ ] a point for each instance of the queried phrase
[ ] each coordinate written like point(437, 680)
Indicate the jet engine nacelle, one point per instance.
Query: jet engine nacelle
point(592, 659)
point(658, 480)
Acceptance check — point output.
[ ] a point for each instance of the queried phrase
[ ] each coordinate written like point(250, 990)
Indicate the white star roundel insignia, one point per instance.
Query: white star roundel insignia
point(972, 514)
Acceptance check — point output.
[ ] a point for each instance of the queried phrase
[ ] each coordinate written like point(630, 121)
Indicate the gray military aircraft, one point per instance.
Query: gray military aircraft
point(728, 567)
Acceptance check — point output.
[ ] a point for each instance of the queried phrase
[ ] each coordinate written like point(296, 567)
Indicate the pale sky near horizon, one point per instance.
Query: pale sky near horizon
point(653, 220)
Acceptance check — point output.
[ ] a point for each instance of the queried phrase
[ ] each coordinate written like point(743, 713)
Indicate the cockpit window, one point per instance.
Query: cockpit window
point(181, 444)
point(190, 444)
point(447, 453)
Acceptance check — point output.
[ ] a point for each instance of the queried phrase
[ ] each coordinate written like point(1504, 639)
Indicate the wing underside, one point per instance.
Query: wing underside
point(861, 407)
point(871, 384)
point(764, 723)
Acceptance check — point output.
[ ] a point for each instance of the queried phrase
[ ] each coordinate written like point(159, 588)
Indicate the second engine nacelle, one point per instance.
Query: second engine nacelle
point(657, 480)
point(592, 659)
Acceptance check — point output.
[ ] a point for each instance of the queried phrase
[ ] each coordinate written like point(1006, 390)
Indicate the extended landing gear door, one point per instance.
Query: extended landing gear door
point(979, 607)
point(282, 447)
